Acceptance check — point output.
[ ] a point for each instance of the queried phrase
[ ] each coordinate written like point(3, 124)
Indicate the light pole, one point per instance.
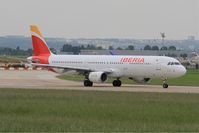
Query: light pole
point(163, 37)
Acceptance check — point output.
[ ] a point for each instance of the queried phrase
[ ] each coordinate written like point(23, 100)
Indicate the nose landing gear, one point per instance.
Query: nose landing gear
point(165, 85)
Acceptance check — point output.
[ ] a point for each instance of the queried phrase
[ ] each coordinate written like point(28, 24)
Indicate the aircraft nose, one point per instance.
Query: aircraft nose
point(183, 70)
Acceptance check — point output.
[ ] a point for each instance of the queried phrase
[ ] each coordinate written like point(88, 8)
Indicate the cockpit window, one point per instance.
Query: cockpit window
point(173, 63)
point(177, 63)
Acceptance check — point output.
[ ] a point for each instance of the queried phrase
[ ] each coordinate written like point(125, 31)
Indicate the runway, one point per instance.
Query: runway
point(47, 80)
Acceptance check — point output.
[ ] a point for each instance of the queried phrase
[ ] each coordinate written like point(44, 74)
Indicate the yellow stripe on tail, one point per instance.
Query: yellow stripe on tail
point(35, 29)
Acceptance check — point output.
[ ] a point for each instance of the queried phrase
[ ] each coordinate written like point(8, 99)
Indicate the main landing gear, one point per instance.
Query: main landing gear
point(117, 83)
point(88, 83)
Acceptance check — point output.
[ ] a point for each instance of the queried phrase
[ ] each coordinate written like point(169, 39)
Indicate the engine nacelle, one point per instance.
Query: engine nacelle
point(97, 77)
point(141, 80)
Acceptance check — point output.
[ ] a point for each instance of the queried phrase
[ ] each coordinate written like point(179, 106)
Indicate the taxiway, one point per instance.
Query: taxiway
point(47, 80)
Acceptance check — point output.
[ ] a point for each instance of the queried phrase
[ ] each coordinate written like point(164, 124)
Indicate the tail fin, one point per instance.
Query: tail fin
point(40, 47)
point(194, 54)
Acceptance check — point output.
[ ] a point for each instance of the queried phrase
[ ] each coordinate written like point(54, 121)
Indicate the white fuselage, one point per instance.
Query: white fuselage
point(97, 68)
point(124, 66)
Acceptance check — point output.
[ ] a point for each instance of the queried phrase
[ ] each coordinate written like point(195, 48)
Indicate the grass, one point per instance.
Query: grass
point(64, 110)
point(190, 79)
point(12, 59)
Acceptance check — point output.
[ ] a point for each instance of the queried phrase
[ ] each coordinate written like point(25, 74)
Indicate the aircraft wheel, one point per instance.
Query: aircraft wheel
point(88, 83)
point(165, 85)
point(117, 83)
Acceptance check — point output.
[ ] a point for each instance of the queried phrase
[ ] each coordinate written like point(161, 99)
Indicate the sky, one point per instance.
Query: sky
point(138, 19)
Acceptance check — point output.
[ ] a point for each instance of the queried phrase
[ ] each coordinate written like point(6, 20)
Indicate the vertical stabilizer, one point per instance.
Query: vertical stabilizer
point(40, 47)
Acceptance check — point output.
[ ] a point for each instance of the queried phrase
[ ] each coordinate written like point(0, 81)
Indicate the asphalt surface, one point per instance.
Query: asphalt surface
point(47, 80)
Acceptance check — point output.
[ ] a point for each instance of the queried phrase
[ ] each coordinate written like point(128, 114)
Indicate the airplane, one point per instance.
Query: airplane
point(97, 68)
point(195, 57)
point(193, 60)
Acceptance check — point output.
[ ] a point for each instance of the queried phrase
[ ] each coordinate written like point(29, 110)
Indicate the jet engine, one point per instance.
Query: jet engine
point(97, 77)
point(141, 80)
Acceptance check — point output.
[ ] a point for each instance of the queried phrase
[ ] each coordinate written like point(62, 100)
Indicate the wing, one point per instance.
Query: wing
point(80, 69)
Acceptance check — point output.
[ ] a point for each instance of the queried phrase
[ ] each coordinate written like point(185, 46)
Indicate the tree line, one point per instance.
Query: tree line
point(148, 47)
point(77, 49)
point(17, 51)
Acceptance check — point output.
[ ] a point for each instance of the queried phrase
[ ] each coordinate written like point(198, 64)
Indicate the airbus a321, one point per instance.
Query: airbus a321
point(97, 68)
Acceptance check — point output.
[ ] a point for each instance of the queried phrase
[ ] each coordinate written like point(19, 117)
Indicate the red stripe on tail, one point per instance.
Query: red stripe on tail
point(39, 47)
